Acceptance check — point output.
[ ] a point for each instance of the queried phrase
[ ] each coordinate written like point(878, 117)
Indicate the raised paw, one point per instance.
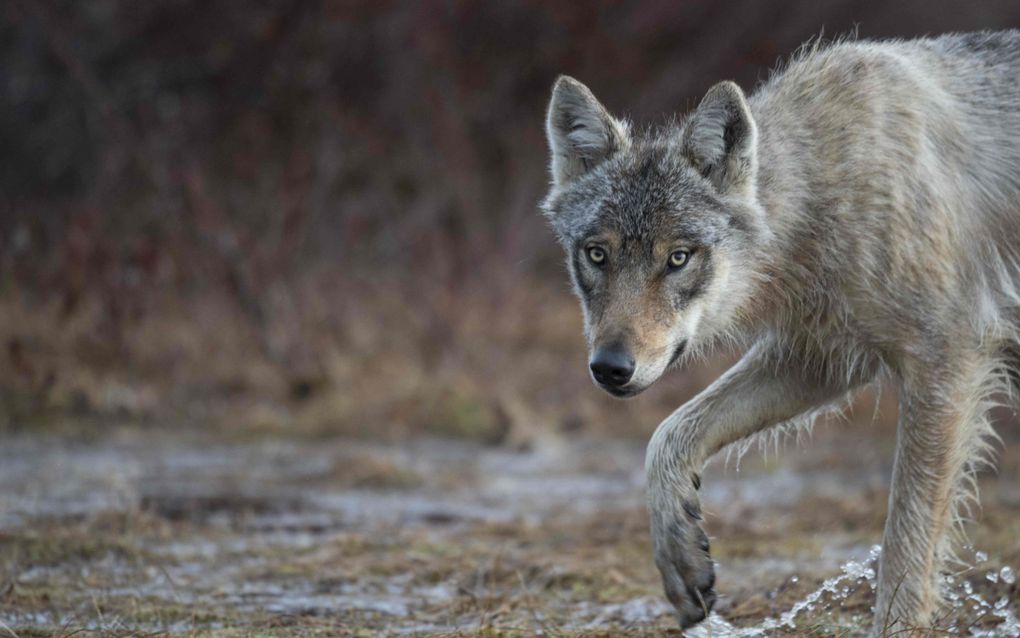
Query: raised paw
point(682, 555)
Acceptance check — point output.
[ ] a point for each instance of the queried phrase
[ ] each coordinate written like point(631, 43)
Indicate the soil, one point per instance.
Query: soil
point(132, 531)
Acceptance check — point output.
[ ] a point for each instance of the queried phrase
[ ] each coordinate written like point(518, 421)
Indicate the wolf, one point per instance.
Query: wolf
point(854, 221)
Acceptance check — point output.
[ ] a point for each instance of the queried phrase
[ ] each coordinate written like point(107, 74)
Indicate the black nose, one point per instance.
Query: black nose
point(612, 365)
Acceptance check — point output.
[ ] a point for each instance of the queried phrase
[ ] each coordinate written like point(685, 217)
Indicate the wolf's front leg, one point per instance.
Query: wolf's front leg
point(763, 389)
point(939, 438)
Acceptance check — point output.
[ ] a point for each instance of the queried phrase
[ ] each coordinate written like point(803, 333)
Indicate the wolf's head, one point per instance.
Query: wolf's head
point(661, 230)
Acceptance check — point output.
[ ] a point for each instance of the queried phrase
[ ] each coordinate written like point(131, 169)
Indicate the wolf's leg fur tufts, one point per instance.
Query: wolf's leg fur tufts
point(944, 439)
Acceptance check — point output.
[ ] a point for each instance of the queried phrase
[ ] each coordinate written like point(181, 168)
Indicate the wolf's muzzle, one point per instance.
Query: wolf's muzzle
point(612, 366)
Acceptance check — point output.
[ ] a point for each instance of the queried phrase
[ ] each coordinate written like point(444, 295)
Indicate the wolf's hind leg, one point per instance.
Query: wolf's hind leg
point(942, 439)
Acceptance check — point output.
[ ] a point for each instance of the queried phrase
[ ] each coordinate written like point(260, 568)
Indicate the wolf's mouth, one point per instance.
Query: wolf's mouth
point(627, 391)
point(621, 393)
point(677, 352)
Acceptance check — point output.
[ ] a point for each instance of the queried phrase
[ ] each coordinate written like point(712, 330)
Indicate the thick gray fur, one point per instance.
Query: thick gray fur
point(856, 219)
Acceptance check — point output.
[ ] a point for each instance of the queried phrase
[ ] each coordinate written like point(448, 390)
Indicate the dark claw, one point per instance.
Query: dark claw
point(693, 618)
point(692, 510)
point(703, 543)
point(704, 600)
point(696, 479)
point(709, 597)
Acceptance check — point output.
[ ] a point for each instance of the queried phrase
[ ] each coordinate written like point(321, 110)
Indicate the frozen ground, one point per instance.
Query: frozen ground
point(136, 532)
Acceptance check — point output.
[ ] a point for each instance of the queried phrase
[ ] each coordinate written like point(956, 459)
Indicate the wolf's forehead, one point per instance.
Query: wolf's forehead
point(646, 193)
point(652, 195)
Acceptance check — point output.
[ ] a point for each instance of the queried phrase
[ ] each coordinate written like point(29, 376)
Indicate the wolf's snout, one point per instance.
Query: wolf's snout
point(612, 366)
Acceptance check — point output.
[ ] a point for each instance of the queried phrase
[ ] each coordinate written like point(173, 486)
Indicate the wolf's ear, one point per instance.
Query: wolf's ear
point(581, 131)
point(721, 139)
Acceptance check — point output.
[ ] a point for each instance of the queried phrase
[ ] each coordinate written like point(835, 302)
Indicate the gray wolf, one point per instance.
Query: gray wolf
point(855, 220)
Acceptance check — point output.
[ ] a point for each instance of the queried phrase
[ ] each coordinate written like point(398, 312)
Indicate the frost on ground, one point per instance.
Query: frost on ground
point(135, 531)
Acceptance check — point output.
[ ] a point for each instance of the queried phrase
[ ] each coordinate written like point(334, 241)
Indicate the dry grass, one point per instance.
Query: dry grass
point(510, 580)
point(382, 361)
point(233, 563)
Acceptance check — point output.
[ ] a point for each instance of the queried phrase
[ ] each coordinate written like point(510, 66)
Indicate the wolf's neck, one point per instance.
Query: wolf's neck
point(786, 163)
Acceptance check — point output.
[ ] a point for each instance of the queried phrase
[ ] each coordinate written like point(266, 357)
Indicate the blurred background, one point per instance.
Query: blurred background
point(322, 215)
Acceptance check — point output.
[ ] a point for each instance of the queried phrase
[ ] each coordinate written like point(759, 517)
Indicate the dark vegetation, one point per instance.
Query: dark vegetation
point(323, 213)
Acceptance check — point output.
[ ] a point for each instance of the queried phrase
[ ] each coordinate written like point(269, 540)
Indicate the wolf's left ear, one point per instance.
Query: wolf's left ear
point(721, 139)
point(581, 131)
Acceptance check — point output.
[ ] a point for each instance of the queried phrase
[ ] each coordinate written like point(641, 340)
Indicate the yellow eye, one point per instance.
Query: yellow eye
point(678, 258)
point(596, 255)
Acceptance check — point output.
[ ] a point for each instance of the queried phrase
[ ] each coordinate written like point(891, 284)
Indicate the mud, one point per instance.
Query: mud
point(134, 531)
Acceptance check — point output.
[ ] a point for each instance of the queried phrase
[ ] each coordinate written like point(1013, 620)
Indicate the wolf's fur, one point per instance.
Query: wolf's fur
point(856, 218)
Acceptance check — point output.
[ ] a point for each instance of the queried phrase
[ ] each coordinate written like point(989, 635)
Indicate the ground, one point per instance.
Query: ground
point(138, 530)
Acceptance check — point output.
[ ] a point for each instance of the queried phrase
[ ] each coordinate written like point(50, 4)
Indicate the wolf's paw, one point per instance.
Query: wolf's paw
point(682, 556)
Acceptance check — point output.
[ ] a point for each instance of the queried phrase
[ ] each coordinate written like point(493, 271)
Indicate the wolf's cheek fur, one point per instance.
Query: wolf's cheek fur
point(656, 325)
point(687, 297)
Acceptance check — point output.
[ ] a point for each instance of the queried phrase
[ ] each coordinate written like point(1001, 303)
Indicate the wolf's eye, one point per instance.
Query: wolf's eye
point(596, 255)
point(678, 258)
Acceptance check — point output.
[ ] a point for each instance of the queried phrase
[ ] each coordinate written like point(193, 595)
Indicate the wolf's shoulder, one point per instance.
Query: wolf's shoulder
point(855, 68)
point(992, 44)
point(996, 46)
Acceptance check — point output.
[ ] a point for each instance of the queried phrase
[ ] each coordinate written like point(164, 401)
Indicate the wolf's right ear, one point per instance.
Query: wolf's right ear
point(721, 139)
point(581, 131)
